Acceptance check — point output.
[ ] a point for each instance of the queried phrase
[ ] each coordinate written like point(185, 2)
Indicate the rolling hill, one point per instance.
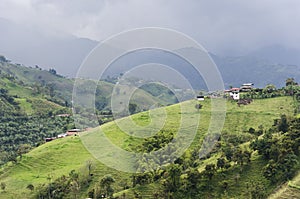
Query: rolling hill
point(49, 161)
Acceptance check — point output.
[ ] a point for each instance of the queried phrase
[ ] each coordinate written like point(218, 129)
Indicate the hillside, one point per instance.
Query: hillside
point(59, 89)
point(59, 157)
point(31, 100)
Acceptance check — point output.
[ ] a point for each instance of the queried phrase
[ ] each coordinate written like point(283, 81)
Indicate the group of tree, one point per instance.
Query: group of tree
point(20, 132)
point(71, 185)
point(280, 147)
point(291, 88)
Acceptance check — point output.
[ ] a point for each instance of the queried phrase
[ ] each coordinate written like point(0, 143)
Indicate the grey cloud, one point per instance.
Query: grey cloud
point(225, 27)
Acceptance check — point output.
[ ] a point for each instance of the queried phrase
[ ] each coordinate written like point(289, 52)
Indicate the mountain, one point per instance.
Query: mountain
point(65, 53)
point(31, 47)
point(234, 70)
point(238, 70)
point(278, 54)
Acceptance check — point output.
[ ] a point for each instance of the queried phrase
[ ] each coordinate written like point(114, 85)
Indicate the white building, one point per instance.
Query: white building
point(234, 93)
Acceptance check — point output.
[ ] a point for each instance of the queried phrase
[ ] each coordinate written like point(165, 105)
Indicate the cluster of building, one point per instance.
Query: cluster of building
point(234, 93)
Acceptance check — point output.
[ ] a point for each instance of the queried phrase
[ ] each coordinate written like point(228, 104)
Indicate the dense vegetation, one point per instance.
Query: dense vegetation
point(26, 119)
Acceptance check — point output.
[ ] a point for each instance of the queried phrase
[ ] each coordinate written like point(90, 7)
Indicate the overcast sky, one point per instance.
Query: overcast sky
point(219, 25)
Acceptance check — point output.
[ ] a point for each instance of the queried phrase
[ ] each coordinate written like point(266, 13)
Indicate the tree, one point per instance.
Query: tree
point(106, 185)
point(3, 186)
point(132, 108)
point(173, 178)
point(75, 188)
point(228, 151)
point(210, 170)
point(221, 163)
point(23, 148)
point(52, 71)
point(247, 156)
point(198, 106)
point(238, 156)
point(224, 184)
point(192, 181)
point(257, 191)
point(290, 82)
point(287, 165)
point(290, 86)
point(270, 171)
point(3, 59)
point(283, 124)
point(30, 187)
point(251, 130)
point(270, 88)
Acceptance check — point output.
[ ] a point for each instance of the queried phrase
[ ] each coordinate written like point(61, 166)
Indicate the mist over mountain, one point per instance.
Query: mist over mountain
point(278, 54)
point(65, 53)
point(31, 47)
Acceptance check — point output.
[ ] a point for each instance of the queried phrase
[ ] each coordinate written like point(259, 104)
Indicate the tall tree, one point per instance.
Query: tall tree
point(106, 185)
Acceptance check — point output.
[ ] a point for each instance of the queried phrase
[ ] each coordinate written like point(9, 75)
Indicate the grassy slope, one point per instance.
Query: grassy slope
point(29, 102)
point(288, 190)
point(61, 156)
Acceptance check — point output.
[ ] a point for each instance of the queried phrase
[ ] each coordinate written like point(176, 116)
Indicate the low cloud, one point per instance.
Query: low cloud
point(224, 27)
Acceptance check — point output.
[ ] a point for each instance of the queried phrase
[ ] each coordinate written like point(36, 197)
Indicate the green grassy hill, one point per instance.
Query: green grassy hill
point(59, 157)
point(27, 82)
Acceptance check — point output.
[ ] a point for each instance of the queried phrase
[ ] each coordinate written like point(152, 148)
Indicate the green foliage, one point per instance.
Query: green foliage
point(280, 150)
point(172, 178)
point(19, 133)
point(290, 82)
point(221, 162)
point(257, 191)
point(30, 187)
point(104, 188)
point(3, 186)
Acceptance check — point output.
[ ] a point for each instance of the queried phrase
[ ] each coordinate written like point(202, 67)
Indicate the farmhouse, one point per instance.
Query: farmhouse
point(73, 132)
point(246, 87)
point(200, 98)
point(62, 135)
point(234, 93)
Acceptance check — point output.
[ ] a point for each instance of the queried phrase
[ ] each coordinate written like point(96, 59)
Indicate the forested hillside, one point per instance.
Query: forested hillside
point(28, 115)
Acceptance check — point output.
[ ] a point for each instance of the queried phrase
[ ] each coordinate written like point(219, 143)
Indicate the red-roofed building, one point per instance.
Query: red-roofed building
point(234, 93)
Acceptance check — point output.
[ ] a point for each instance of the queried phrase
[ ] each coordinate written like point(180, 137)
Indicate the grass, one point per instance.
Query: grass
point(14, 88)
point(59, 157)
point(25, 105)
point(288, 190)
point(53, 159)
